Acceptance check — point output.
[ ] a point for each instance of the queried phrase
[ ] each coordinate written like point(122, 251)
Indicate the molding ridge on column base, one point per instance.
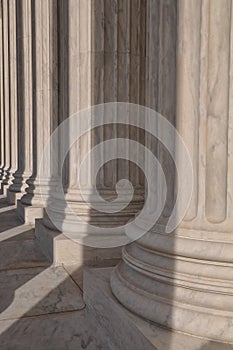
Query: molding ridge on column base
point(19, 183)
point(175, 304)
point(187, 245)
point(125, 330)
point(205, 272)
point(37, 192)
point(7, 178)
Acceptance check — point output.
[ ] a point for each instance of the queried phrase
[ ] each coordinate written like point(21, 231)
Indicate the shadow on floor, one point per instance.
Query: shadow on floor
point(216, 346)
point(41, 306)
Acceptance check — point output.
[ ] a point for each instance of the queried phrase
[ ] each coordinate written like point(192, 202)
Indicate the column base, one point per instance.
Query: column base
point(61, 250)
point(28, 213)
point(4, 188)
point(13, 197)
point(121, 329)
point(182, 293)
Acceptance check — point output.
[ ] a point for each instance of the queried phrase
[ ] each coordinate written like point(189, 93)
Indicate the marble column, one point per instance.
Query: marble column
point(21, 36)
point(183, 280)
point(9, 91)
point(102, 59)
point(7, 171)
point(13, 86)
point(1, 99)
point(45, 113)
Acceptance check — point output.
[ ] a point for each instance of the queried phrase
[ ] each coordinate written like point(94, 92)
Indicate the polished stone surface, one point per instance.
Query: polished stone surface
point(60, 249)
point(183, 280)
point(18, 248)
point(125, 329)
point(28, 213)
point(41, 306)
point(37, 291)
point(97, 67)
point(63, 331)
point(58, 57)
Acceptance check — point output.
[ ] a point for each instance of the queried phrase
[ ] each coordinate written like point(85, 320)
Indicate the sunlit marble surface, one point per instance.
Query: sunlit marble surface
point(41, 306)
point(128, 331)
point(36, 291)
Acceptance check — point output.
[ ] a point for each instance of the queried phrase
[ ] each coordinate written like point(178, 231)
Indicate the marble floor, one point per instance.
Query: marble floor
point(41, 306)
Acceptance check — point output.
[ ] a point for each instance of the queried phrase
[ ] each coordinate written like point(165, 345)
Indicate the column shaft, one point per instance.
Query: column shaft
point(24, 72)
point(21, 42)
point(13, 97)
point(102, 59)
point(184, 280)
point(7, 177)
point(45, 90)
point(99, 67)
point(1, 98)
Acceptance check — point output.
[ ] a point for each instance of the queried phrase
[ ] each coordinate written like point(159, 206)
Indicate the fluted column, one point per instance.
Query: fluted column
point(13, 85)
point(45, 89)
point(7, 172)
point(102, 59)
point(9, 93)
point(22, 11)
point(183, 280)
point(1, 99)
